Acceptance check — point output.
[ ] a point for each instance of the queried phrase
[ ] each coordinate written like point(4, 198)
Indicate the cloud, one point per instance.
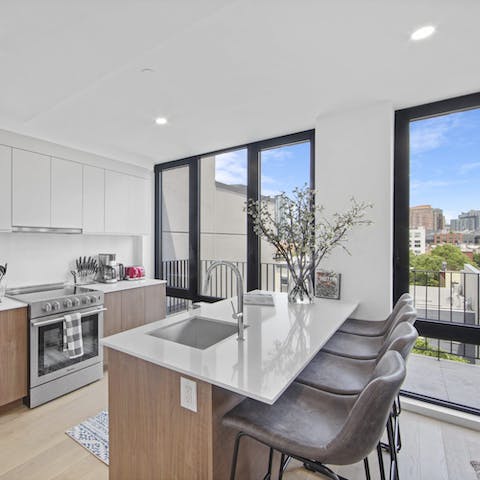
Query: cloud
point(430, 134)
point(231, 168)
point(278, 154)
point(468, 167)
point(427, 184)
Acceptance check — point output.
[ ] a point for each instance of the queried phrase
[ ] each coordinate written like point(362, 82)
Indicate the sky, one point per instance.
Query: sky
point(445, 162)
point(282, 168)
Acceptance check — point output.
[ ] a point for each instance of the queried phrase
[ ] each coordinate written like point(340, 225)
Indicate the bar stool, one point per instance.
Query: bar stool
point(317, 427)
point(367, 348)
point(348, 376)
point(374, 328)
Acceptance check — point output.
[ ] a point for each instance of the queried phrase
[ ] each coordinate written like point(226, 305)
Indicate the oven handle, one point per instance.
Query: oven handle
point(60, 319)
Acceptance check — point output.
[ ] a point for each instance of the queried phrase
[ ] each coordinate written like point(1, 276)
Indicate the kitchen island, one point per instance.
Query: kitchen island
point(153, 437)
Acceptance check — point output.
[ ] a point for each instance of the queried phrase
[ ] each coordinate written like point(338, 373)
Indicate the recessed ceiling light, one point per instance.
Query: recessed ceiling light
point(147, 70)
point(423, 32)
point(160, 120)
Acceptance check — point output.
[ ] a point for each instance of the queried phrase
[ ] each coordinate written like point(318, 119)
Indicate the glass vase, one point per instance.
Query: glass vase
point(300, 287)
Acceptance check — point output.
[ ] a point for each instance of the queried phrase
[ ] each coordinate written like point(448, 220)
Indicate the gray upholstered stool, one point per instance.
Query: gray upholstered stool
point(318, 427)
point(367, 348)
point(372, 328)
point(348, 376)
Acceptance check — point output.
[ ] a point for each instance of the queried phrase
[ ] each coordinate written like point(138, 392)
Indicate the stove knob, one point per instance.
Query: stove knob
point(68, 303)
point(76, 302)
point(47, 307)
point(55, 306)
point(92, 299)
point(85, 300)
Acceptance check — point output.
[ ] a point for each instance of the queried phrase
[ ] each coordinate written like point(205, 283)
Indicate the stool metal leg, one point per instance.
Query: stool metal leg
point(393, 451)
point(235, 455)
point(268, 475)
point(381, 465)
point(281, 468)
point(366, 465)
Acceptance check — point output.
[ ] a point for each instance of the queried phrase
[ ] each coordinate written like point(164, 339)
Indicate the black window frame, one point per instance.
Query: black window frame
point(429, 328)
point(253, 190)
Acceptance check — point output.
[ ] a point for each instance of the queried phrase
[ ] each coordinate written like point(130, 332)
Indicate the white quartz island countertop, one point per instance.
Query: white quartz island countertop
point(124, 285)
point(279, 342)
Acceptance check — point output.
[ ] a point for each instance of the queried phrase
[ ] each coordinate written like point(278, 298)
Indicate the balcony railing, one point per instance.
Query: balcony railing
point(438, 295)
point(274, 276)
point(447, 296)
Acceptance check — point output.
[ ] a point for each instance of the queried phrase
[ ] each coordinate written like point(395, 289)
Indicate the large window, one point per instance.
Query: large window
point(223, 221)
point(200, 216)
point(437, 246)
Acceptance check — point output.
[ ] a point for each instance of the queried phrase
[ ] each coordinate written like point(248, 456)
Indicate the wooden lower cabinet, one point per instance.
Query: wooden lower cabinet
point(13, 355)
point(155, 303)
point(132, 308)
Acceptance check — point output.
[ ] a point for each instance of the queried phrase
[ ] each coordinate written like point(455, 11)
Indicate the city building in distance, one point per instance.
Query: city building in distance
point(466, 222)
point(417, 240)
point(432, 219)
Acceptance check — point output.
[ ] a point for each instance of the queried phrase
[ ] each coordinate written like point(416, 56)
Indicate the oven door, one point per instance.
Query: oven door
point(48, 360)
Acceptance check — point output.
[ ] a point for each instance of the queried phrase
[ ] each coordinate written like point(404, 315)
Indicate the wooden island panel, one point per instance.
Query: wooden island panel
point(152, 437)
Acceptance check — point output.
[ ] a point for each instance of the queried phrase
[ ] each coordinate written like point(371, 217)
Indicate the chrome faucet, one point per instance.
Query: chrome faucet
point(238, 314)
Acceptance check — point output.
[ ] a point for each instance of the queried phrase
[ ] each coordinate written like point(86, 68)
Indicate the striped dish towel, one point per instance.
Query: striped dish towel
point(72, 335)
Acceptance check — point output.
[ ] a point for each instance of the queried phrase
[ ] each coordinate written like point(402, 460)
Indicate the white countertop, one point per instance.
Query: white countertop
point(124, 285)
point(279, 342)
point(10, 304)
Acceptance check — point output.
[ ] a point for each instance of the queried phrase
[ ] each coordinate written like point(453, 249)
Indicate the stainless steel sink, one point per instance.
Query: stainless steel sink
point(197, 332)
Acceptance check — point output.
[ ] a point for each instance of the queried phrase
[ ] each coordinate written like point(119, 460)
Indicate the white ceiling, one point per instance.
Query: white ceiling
point(226, 71)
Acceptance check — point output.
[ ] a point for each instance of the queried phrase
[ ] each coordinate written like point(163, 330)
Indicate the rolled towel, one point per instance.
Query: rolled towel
point(72, 335)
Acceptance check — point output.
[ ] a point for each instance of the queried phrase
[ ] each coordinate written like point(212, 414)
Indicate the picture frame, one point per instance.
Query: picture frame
point(327, 284)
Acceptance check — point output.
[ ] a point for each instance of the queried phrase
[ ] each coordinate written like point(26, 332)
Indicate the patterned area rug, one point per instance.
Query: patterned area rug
point(92, 434)
point(476, 467)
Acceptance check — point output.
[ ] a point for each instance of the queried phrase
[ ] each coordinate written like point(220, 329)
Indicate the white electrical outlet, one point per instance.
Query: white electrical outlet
point(188, 394)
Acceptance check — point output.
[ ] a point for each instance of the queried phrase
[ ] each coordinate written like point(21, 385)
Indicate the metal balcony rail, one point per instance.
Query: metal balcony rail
point(274, 276)
point(446, 295)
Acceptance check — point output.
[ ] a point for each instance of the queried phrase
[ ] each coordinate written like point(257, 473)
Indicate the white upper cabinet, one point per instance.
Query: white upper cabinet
point(31, 189)
point(5, 188)
point(126, 204)
point(57, 193)
point(116, 202)
point(93, 199)
point(67, 194)
point(139, 192)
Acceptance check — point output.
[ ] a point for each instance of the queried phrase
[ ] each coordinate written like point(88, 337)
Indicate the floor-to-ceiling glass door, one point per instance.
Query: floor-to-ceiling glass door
point(223, 220)
point(282, 168)
point(175, 227)
point(201, 218)
point(437, 246)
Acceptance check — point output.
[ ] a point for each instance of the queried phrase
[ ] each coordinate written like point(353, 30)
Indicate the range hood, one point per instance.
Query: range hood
point(46, 230)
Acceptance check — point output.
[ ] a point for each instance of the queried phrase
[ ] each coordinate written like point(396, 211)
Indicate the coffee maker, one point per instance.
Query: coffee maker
point(107, 268)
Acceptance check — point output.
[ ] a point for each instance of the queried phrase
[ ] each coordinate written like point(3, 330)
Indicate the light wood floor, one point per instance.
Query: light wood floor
point(33, 445)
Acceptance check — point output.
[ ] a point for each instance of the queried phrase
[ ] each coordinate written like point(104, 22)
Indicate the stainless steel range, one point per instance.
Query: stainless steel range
point(52, 372)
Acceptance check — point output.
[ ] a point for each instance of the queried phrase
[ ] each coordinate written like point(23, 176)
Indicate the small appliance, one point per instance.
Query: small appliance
point(107, 268)
point(134, 273)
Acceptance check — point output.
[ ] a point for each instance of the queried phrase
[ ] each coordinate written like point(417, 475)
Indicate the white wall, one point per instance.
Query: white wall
point(37, 258)
point(47, 258)
point(354, 157)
